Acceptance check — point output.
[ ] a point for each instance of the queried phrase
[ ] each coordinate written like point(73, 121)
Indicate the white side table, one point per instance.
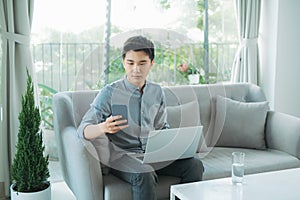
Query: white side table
point(276, 185)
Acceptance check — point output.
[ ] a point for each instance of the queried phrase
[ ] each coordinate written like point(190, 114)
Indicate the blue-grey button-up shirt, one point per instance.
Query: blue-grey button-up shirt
point(146, 112)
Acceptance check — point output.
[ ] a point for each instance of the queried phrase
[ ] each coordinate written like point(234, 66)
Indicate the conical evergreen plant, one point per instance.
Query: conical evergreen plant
point(30, 167)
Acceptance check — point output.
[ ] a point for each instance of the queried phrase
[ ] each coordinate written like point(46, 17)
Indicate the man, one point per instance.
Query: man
point(146, 104)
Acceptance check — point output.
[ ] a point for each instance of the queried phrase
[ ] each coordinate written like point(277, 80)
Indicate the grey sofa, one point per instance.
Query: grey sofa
point(275, 146)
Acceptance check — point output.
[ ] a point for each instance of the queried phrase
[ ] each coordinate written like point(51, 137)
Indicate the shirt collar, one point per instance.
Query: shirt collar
point(132, 87)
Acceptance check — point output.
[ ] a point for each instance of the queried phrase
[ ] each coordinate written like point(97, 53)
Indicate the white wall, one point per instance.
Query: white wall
point(280, 54)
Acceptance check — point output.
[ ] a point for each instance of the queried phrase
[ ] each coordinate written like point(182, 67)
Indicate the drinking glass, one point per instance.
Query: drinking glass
point(237, 169)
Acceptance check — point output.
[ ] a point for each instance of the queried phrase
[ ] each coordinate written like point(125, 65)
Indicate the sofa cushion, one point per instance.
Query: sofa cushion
point(240, 124)
point(185, 115)
point(217, 163)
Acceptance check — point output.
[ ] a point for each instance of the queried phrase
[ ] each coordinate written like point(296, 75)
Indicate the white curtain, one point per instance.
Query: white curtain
point(15, 28)
point(246, 62)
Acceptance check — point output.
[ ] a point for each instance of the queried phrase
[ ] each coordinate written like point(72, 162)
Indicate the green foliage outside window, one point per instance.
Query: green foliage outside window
point(45, 96)
point(165, 70)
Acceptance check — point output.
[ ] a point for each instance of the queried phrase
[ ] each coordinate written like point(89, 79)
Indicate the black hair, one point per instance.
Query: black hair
point(138, 43)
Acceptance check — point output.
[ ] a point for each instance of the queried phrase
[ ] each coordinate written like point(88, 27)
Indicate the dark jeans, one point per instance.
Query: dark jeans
point(143, 177)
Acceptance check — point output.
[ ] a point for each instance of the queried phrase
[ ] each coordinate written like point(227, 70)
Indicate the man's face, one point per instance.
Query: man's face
point(137, 65)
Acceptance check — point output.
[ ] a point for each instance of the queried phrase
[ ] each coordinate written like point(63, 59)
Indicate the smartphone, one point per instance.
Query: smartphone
point(118, 109)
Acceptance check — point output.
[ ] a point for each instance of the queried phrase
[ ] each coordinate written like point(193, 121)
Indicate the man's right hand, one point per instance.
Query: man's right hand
point(114, 124)
point(111, 126)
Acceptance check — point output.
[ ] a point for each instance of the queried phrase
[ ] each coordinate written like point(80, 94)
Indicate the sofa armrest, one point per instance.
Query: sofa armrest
point(82, 171)
point(283, 133)
point(80, 168)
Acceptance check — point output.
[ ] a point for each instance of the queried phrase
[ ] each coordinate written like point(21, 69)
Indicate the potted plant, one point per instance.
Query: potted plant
point(190, 72)
point(29, 171)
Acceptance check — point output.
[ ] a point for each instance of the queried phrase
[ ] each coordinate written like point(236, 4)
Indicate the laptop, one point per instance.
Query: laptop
point(170, 144)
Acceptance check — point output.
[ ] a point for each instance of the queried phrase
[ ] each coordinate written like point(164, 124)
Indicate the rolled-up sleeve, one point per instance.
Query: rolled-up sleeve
point(98, 112)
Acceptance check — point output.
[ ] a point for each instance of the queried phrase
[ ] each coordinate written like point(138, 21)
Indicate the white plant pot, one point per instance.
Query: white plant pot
point(193, 79)
point(40, 195)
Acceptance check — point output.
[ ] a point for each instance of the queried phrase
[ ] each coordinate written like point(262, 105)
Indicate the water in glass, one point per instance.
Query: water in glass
point(237, 172)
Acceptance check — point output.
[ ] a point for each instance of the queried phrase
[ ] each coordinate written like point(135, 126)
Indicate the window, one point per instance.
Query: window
point(70, 52)
point(222, 38)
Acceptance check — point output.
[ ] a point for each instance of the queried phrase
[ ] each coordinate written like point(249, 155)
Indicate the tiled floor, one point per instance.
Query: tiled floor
point(59, 189)
point(55, 171)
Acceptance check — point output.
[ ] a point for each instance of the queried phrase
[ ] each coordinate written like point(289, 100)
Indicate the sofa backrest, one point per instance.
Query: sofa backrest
point(203, 94)
point(179, 95)
point(80, 102)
